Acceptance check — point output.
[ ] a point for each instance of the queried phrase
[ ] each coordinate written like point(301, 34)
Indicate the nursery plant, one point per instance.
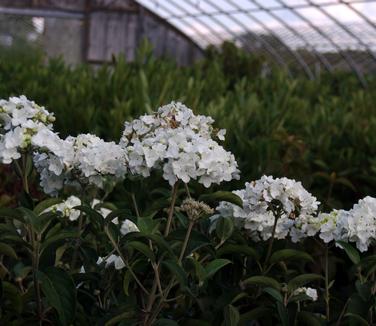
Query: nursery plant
point(318, 131)
point(80, 248)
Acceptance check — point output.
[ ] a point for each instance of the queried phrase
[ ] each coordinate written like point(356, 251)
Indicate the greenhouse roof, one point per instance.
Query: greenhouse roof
point(333, 34)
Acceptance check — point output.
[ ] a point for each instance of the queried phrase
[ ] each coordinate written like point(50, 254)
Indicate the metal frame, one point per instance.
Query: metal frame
point(213, 10)
point(180, 14)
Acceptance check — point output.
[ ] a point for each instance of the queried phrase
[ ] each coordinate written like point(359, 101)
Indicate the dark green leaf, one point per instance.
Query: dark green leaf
point(7, 250)
point(253, 315)
point(351, 252)
point(289, 254)
point(309, 319)
point(263, 281)
point(224, 228)
point(126, 281)
point(45, 204)
point(165, 322)
point(126, 315)
point(231, 315)
point(283, 314)
point(143, 248)
point(222, 196)
point(237, 249)
point(358, 318)
point(60, 291)
point(274, 293)
point(214, 266)
point(302, 280)
point(177, 271)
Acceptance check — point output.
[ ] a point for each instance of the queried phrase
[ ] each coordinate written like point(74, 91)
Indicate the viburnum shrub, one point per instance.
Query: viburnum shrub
point(217, 258)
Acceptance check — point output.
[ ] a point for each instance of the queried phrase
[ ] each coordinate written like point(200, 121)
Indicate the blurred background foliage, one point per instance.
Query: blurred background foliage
point(322, 132)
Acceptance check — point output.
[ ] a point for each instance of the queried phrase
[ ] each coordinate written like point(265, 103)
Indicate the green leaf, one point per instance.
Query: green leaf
point(126, 281)
point(45, 204)
point(253, 315)
point(274, 293)
point(288, 254)
point(215, 265)
point(358, 318)
point(143, 248)
point(38, 223)
point(351, 252)
point(263, 281)
point(11, 214)
point(95, 217)
point(147, 225)
point(126, 315)
point(219, 196)
point(165, 322)
point(238, 249)
point(118, 213)
point(224, 228)
point(283, 314)
point(231, 315)
point(7, 250)
point(364, 290)
point(60, 291)
point(308, 318)
point(302, 280)
point(177, 271)
point(62, 236)
point(200, 270)
point(12, 298)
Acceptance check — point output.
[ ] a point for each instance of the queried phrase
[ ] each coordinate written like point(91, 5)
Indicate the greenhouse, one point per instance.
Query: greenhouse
point(188, 162)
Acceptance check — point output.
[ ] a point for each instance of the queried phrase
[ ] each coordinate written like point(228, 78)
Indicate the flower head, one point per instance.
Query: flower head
point(21, 121)
point(180, 144)
point(269, 199)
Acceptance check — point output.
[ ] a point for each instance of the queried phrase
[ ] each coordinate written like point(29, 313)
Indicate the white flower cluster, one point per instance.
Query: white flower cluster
point(112, 260)
point(356, 225)
point(180, 143)
point(21, 121)
point(332, 226)
point(85, 159)
point(66, 208)
point(309, 292)
point(267, 198)
point(126, 227)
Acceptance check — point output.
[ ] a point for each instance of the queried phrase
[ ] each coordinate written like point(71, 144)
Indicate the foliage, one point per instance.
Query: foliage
point(179, 268)
point(320, 132)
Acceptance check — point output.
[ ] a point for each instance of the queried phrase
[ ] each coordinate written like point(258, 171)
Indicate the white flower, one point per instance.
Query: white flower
point(180, 144)
point(128, 226)
point(332, 226)
point(362, 223)
point(66, 208)
point(75, 161)
point(116, 260)
point(21, 121)
point(267, 198)
point(310, 292)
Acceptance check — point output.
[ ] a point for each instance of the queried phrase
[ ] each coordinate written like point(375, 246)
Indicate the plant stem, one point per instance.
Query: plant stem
point(77, 245)
point(35, 266)
point(172, 281)
point(134, 202)
point(24, 174)
point(185, 243)
point(327, 298)
point(171, 210)
point(270, 246)
point(154, 288)
point(125, 262)
point(187, 190)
